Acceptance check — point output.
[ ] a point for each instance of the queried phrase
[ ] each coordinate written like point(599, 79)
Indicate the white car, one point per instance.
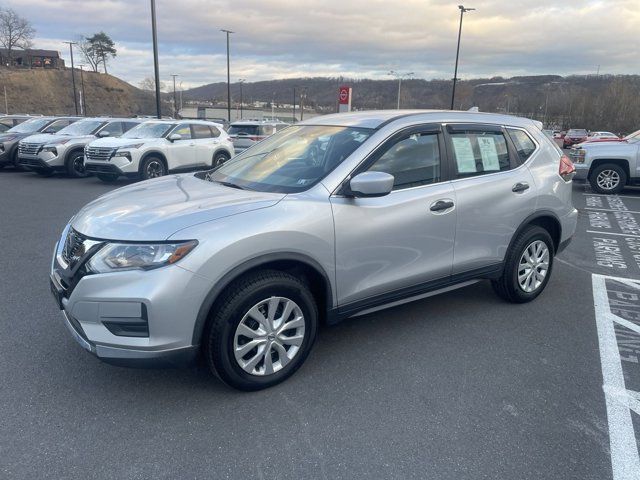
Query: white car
point(64, 151)
point(155, 148)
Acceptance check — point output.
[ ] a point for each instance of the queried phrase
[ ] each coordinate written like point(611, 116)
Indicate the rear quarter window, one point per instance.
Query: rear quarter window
point(525, 146)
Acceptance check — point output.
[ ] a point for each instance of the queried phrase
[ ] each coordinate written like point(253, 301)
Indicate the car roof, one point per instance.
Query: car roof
point(376, 119)
point(113, 119)
point(258, 122)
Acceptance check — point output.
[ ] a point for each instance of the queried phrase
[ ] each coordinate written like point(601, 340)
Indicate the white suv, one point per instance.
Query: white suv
point(154, 148)
point(246, 133)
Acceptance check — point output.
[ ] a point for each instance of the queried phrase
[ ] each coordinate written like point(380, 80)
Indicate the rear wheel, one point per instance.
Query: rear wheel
point(152, 167)
point(219, 158)
point(527, 267)
point(261, 331)
point(75, 165)
point(107, 177)
point(608, 178)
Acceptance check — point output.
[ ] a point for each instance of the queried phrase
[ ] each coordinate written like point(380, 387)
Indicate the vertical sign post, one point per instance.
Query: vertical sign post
point(344, 99)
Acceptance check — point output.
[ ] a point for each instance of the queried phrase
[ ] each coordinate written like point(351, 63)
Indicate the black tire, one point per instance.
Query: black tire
point(219, 158)
point(602, 169)
point(75, 165)
point(152, 167)
point(107, 177)
point(235, 302)
point(507, 286)
point(15, 161)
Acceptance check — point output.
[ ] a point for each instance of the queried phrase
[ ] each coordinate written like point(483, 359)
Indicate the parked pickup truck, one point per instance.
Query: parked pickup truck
point(609, 166)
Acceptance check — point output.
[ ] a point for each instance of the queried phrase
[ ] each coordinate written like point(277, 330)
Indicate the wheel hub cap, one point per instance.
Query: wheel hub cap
point(533, 266)
point(608, 179)
point(269, 336)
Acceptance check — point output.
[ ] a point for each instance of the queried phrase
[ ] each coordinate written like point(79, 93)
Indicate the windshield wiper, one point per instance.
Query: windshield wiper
point(229, 184)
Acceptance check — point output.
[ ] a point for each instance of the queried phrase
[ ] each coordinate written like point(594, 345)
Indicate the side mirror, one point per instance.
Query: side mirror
point(174, 136)
point(371, 184)
point(49, 130)
point(104, 133)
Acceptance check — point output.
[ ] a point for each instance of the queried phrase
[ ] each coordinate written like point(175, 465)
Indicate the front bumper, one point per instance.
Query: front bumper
point(103, 313)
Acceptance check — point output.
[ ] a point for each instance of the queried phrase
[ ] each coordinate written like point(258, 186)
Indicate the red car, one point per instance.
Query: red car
point(573, 136)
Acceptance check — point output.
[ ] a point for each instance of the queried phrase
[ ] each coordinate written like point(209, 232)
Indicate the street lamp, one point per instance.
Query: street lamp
point(175, 99)
point(228, 76)
point(241, 81)
point(73, 75)
point(399, 76)
point(156, 70)
point(455, 73)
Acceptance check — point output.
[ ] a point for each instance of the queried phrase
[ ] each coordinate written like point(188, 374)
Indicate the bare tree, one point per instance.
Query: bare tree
point(15, 32)
point(150, 84)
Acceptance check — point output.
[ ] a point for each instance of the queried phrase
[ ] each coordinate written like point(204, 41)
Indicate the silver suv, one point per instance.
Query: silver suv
point(335, 217)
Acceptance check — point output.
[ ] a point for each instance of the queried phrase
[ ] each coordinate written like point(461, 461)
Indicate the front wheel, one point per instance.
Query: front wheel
point(608, 178)
point(261, 331)
point(75, 165)
point(152, 167)
point(528, 265)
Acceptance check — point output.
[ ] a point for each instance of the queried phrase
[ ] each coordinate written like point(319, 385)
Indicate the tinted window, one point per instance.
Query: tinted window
point(57, 126)
point(413, 160)
point(480, 152)
point(201, 131)
point(114, 129)
point(184, 130)
point(522, 141)
point(7, 121)
point(243, 129)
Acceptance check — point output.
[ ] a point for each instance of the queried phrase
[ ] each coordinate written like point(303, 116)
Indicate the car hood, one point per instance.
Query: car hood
point(111, 142)
point(53, 138)
point(156, 209)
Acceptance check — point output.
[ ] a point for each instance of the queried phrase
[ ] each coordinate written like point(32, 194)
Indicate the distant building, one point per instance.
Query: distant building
point(31, 58)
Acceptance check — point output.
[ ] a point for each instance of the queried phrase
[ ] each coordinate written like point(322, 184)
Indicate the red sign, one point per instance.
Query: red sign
point(343, 96)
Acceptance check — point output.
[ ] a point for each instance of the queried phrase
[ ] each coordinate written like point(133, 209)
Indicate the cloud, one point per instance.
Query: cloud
point(356, 38)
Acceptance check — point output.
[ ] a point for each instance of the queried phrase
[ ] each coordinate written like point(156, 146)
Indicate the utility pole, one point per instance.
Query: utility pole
point(228, 76)
point(399, 76)
point(73, 76)
point(294, 104)
point(303, 95)
point(241, 81)
point(175, 99)
point(83, 98)
point(6, 103)
point(156, 70)
point(455, 72)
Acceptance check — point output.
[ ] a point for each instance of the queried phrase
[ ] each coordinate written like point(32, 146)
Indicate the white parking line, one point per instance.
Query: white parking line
point(602, 232)
point(609, 210)
point(610, 196)
point(625, 462)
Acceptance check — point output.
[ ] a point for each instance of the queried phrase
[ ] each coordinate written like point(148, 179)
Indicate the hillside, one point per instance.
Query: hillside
point(604, 102)
point(51, 92)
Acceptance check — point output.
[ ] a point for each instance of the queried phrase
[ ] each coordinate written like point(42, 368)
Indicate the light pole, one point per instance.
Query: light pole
point(294, 104)
point(228, 77)
point(156, 70)
point(73, 76)
point(241, 81)
point(303, 95)
point(175, 99)
point(455, 72)
point(399, 76)
point(83, 98)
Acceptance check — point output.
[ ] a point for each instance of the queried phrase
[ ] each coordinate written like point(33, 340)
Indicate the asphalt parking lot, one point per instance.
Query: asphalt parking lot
point(459, 386)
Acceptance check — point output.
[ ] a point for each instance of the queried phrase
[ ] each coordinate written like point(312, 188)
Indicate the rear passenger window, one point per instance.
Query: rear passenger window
point(480, 152)
point(524, 145)
point(201, 131)
point(413, 160)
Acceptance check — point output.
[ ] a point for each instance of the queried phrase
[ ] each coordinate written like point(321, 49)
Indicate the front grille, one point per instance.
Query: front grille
point(99, 154)
point(32, 162)
point(74, 247)
point(29, 148)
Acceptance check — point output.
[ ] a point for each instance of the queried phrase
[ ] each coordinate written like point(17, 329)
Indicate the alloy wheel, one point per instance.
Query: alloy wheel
point(533, 266)
point(608, 179)
point(269, 336)
point(154, 169)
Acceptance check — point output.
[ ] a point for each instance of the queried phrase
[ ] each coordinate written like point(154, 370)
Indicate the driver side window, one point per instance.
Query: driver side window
point(184, 130)
point(413, 160)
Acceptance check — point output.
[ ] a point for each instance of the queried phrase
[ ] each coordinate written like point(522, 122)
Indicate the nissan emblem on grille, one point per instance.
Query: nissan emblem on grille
point(74, 247)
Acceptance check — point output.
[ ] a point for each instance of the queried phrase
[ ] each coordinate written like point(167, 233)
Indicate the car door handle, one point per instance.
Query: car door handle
point(441, 205)
point(520, 187)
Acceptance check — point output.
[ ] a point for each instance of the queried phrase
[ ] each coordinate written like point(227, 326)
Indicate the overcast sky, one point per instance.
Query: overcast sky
point(352, 38)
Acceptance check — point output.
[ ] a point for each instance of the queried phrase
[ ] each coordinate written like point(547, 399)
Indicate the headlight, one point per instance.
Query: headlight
point(133, 146)
point(57, 142)
point(116, 257)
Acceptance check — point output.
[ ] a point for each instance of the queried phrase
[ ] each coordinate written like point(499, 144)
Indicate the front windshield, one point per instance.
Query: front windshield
point(83, 127)
point(634, 137)
point(33, 125)
point(292, 160)
point(149, 130)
